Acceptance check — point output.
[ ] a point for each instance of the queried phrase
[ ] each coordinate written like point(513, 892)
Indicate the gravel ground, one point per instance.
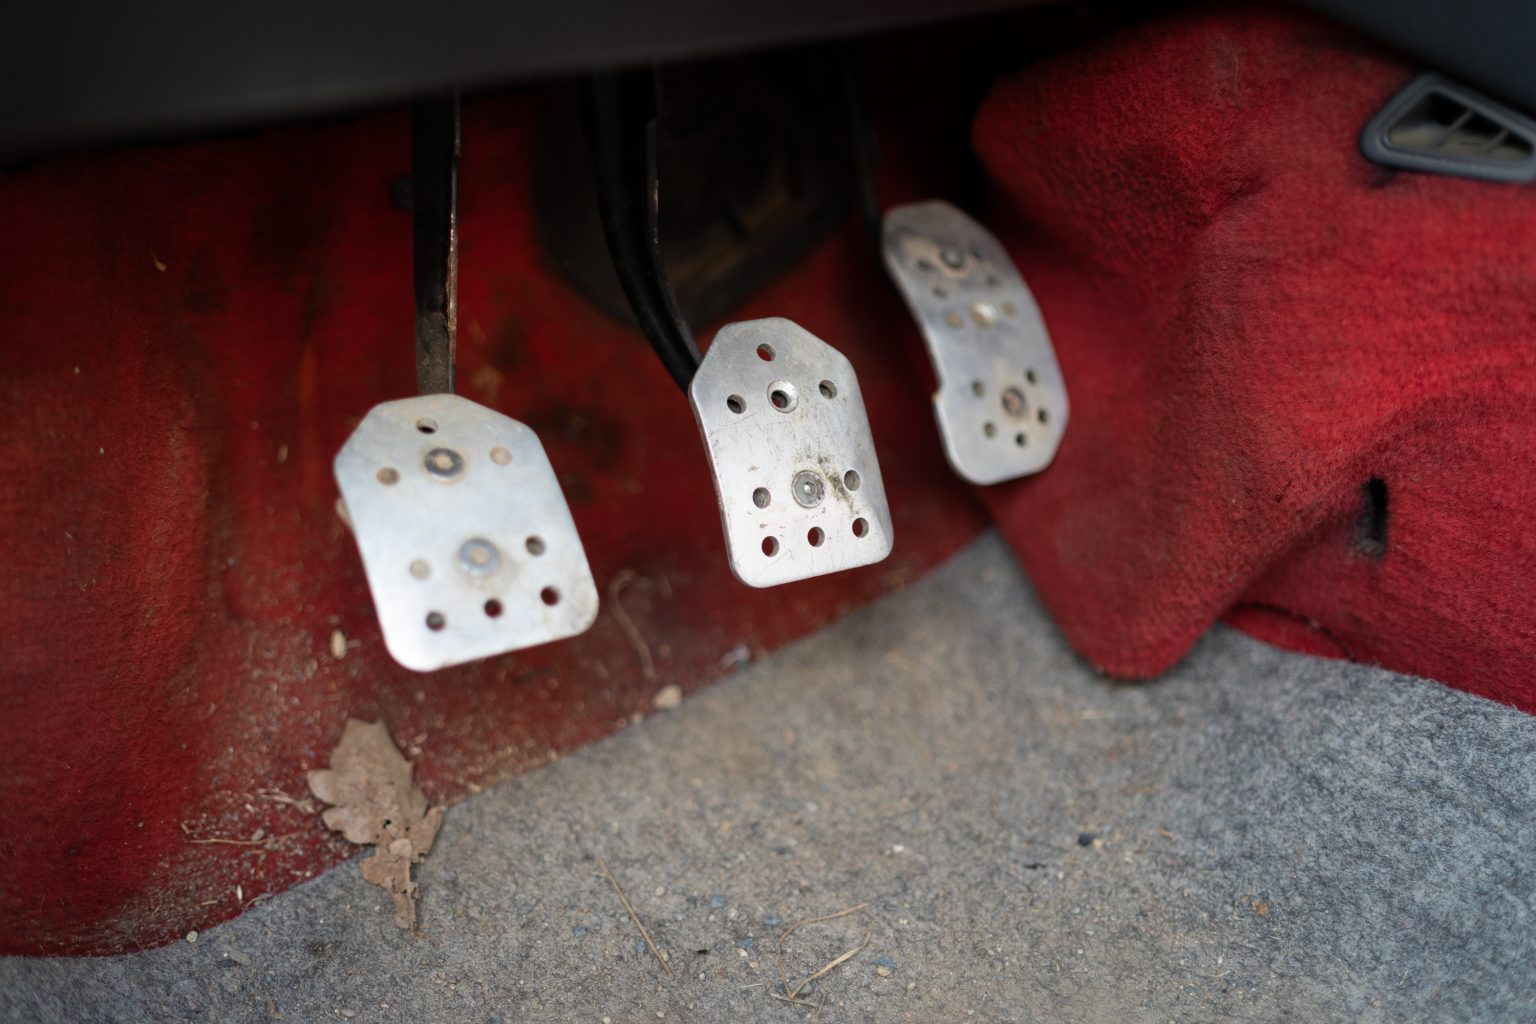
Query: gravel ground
point(1258, 836)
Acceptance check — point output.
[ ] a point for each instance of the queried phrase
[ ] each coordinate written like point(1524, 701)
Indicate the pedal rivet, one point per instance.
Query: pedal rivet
point(1013, 402)
point(809, 489)
point(954, 259)
point(444, 463)
point(479, 557)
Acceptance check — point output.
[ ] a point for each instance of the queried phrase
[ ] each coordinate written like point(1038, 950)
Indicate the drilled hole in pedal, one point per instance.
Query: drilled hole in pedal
point(783, 396)
point(500, 456)
point(421, 568)
point(989, 428)
point(388, 475)
point(1031, 376)
point(427, 425)
point(827, 389)
point(851, 480)
point(815, 536)
point(493, 608)
point(770, 546)
point(1042, 416)
point(736, 404)
point(761, 498)
point(436, 622)
point(550, 596)
point(765, 353)
point(535, 545)
point(860, 528)
point(1020, 440)
point(978, 388)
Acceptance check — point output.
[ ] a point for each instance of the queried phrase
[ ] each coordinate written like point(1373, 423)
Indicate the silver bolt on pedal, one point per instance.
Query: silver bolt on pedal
point(1001, 403)
point(466, 538)
point(793, 458)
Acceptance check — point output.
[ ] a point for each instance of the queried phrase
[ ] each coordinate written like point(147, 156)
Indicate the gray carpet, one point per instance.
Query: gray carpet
point(1260, 836)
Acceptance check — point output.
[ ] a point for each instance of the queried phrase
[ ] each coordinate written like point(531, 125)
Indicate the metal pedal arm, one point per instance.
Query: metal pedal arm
point(619, 109)
point(435, 239)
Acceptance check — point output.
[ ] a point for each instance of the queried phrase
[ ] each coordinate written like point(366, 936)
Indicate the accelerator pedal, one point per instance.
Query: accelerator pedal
point(791, 452)
point(1001, 403)
point(466, 537)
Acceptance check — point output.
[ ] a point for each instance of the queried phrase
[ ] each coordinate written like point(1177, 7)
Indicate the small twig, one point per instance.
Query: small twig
point(778, 951)
point(622, 579)
point(277, 796)
point(644, 933)
point(244, 842)
point(836, 962)
point(791, 999)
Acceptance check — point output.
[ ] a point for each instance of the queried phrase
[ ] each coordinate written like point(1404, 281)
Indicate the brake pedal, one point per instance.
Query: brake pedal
point(1001, 403)
point(466, 538)
point(790, 448)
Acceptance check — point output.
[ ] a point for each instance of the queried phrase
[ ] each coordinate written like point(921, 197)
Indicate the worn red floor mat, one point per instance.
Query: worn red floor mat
point(1303, 386)
point(190, 334)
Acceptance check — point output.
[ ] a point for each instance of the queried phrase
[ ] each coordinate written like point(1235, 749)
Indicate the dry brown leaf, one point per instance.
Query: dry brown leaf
point(375, 801)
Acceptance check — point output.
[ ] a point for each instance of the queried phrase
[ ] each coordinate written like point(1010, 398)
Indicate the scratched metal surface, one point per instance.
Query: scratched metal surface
point(469, 557)
point(794, 462)
point(1001, 403)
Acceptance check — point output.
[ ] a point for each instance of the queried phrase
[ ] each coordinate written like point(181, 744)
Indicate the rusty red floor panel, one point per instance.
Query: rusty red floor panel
point(190, 333)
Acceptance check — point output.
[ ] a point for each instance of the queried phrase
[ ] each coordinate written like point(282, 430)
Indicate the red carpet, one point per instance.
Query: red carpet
point(1260, 329)
point(1260, 332)
point(191, 333)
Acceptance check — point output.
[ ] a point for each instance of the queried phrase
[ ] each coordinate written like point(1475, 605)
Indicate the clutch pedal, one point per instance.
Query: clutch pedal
point(1001, 403)
point(466, 537)
point(790, 448)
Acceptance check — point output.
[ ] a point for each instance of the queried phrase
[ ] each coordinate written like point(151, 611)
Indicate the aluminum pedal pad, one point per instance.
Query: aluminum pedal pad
point(792, 455)
point(1001, 403)
point(466, 537)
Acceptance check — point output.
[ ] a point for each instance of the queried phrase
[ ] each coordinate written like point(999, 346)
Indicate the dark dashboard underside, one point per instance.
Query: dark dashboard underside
point(74, 75)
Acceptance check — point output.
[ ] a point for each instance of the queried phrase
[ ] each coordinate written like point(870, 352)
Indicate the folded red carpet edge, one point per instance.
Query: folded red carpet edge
point(1303, 386)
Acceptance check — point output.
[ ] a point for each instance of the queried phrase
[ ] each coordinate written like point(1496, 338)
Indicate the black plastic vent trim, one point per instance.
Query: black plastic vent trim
point(1440, 127)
